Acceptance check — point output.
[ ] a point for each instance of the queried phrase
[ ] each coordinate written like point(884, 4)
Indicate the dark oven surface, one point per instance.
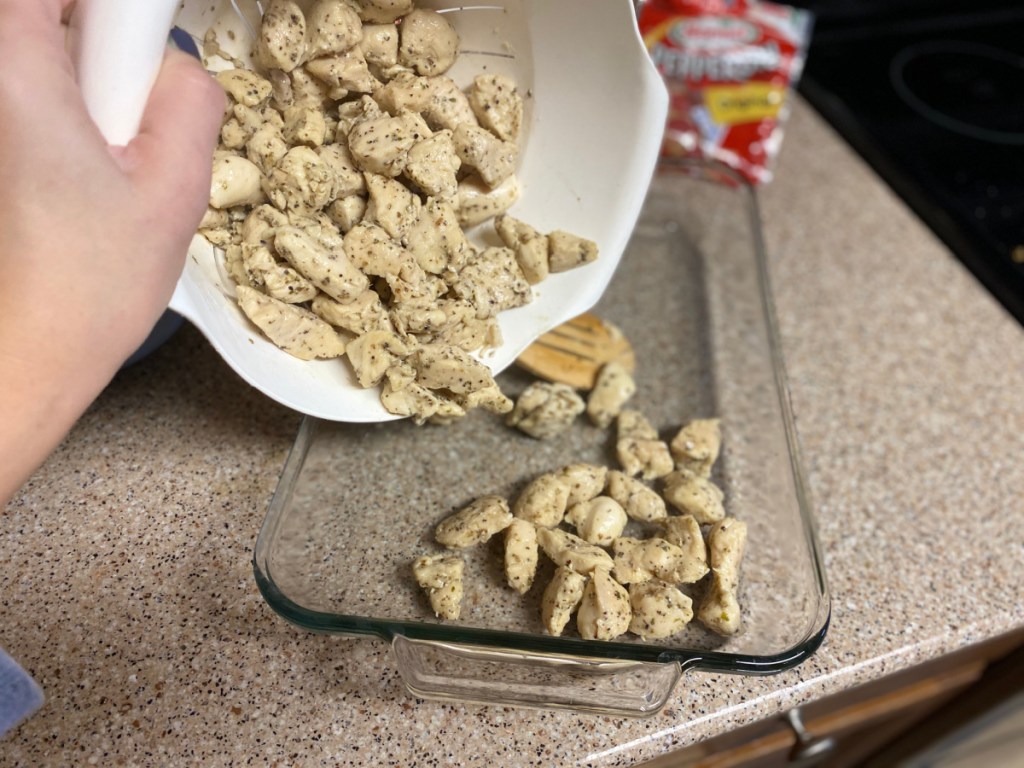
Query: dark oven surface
point(932, 95)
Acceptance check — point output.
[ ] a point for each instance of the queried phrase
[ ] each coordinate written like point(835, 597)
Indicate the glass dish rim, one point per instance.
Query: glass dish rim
point(538, 644)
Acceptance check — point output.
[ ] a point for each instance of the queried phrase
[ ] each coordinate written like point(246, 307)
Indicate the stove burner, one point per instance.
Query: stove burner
point(971, 89)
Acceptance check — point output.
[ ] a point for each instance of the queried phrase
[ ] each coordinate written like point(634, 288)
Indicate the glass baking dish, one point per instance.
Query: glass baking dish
point(356, 504)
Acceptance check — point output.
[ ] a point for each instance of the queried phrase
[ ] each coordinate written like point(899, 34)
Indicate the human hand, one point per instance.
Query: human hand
point(92, 238)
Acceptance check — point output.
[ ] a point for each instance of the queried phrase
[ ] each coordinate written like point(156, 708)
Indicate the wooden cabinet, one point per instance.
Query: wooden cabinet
point(873, 719)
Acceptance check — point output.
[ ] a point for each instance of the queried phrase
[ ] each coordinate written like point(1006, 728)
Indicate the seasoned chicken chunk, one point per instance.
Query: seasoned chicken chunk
point(391, 205)
point(639, 450)
point(432, 164)
point(235, 181)
point(245, 86)
point(382, 11)
point(600, 520)
point(295, 330)
point(304, 125)
point(442, 366)
point(604, 611)
point(695, 447)
point(373, 353)
point(543, 500)
point(520, 555)
point(612, 389)
point(563, 548)
point(282, 39)
point(331, 271)
point(694, 495)
point(363, 314)
point(585, 481)
point(300, 181)
point(475, 523)
point(493, 159)
point(380, 45)
point(640, 501)
point(266, 147)
point(476, 202)
point(447, 107)
point(428, 43)
point(436, 239)
point(529, 245)
point(561, 598)
point(493, 282)
point(497, 105)
point(381, 144)
point(639, 560)
point(659, 610)
point(348, 180)
point(720, 609)
point(684, 532)
point(346, 71)
point(333, 26)
point(374, 252)
point(545, 409)
point(440, 576)
point(567, 251)
point(418, 402)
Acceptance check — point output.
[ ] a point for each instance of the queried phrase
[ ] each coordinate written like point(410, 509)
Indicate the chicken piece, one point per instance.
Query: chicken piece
point(684, 532)
point(493, 282)
point(306, 90)
point(639, 560)
point(333, 26)
point(304, 125)
point(493, 159)
point(442, 366)
point(245, 86)
point(565, 549)
point(490, 398)
point(373, 353)
point(476, 202)
point(520, 555)
point(285, 284)
point(440, 576)
point(659, 610)
point(406, 92)
point(417, 402)
point(260, 223)
point(640, 501)
point(639, 450)
point(604, 611)
point(428, 43)
point(282, 39)
point(436, 239)
point(295, 330)
point(382, 11)
point(257, 260)
point(373, 251)
point(331, 271)
point(475, 523)
point(319, 227)
point(351, 113)
point(598, 521)
point(391, 205)
point(381, 144)
point(561, 599)
point(233, 264)
point(348, 211)
point(432, 164)
point(529, 245)
point(266, 147)
point(545, 409)
point(300, 181)
point(348, 179)
point(543, 501)
point(567, 251)
point(720, 609)
point(215, 227)
point(586, 481)
point(363, 314)
point(380, 45)
point(343, 73)
point(235, 181)
point(696, 446)
point(448, 106)
point(496, 102)
point(463, 329)
point(612, 389)
point(694, 495)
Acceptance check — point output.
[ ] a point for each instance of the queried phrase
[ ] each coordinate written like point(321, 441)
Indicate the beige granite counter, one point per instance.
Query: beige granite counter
point(126, 584)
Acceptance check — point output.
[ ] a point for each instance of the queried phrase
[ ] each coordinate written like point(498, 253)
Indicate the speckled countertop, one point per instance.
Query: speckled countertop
point(126, 583)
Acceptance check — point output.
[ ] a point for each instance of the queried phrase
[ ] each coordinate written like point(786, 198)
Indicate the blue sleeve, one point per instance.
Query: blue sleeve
point(20, 695)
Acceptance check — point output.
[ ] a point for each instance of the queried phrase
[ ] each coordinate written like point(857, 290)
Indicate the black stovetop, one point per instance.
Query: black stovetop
point(932, 95)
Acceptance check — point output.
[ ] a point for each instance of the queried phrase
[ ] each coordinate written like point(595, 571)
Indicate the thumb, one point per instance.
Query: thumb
point(171, 157)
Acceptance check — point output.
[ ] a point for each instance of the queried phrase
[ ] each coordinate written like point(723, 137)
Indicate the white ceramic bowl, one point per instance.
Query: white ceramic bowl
point(595, 114)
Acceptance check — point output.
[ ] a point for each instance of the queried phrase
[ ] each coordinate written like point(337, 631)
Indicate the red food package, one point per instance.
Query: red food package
point(729, 66)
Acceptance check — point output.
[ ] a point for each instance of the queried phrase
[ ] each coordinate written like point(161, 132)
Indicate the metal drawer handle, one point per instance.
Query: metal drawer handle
point(807, 750)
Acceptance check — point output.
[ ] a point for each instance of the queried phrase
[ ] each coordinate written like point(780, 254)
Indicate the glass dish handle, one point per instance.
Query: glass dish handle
point(457, 672)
